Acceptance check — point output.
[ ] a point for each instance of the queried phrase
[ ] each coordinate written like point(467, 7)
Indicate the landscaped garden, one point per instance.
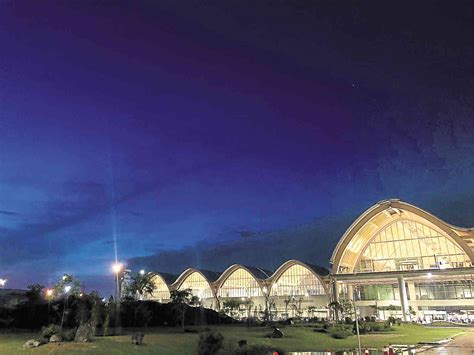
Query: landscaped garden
point(164, 340)
point(67, 320)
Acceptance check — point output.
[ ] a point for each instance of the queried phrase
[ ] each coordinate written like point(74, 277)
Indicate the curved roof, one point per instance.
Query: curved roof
point(209, 276)
point(318, 271)
point(167, 278)
point(366, 226)
point(258, 274)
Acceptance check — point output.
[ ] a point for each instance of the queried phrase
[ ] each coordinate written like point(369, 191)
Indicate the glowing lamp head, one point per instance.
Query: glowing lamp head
point(142, 272)
point(49, 292)
point(3, 282)
point(67, 289)
point(117, 267)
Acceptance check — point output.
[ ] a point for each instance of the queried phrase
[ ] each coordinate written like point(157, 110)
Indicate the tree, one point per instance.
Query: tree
point(231, 306)
point(287, 303)
point(311, 311)
point(141, 285)
point(34, 292)
point(248, 305)
point(336, 308)
point(347, 309)
point(68, 285)
point(181, 300)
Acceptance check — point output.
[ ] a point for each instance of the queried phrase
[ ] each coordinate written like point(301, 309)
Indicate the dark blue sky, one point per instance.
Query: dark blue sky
point(194, 132)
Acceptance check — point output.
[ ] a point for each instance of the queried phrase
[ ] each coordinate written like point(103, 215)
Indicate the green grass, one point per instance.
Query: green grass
point(172, 341)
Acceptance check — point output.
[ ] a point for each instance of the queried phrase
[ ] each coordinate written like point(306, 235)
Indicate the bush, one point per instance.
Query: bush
point(258, 350)
point(320, 330)
point(348, 320)
point(339, 332)
point(49, 330)
point(189, 330)
point(210, 344)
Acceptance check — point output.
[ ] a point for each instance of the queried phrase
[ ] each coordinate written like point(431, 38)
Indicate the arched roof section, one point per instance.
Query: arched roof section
point(162, 283)
point(169, 279)
point(206, 275)
point(259, 275)
point(319, 272)
point(368, 224)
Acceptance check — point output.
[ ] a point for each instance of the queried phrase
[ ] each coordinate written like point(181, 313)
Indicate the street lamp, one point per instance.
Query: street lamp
point(117, 268)
point(67, 288)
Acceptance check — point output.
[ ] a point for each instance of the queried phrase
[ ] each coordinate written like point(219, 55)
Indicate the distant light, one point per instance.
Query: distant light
point(81, 294)
point(429, 274)
point(117, 267)
point(3, 282)
point(104, 300)
point(142, 272)
point(49, 292)
point(67, 288)
point(64, 277)
point(243, 298)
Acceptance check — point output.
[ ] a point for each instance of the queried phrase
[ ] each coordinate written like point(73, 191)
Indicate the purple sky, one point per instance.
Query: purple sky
point(194, 132)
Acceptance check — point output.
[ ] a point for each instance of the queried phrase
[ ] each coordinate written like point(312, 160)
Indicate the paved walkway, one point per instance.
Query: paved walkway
point(462, 345)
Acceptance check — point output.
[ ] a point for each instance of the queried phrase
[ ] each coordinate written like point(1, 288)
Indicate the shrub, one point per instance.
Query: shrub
point(49, 330)
point(210, 344)
point(320, 330)
point(189, 330)
point(348, 320)
point(339, 332)
point(258, 350)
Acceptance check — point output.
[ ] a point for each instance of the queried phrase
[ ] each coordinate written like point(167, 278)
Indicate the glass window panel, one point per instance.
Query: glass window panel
point(240, 283)
point(410, 245)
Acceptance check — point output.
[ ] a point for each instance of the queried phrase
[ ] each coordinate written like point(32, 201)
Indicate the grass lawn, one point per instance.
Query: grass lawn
point(172, 341)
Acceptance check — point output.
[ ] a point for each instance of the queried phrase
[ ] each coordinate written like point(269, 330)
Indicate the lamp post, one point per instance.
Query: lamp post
point(49, 296)
point(117, 269)
point(66, 291)
point(357, 326)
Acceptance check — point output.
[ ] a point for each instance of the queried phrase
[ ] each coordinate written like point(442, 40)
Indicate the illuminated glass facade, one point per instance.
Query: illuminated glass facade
point(463, 289)
point(198, 285)
point(393, 260)
point(161, 291)
point(409, 245)
point(240, 283)
point(297, 280)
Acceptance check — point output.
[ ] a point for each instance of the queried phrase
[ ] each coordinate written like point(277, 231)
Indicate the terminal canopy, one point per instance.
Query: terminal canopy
point(296, 279)
point(394, 235)
point(161, 290)
point(195, 280)
point(239, 282)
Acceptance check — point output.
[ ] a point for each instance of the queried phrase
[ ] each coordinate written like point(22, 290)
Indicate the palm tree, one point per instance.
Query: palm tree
point(141, 285)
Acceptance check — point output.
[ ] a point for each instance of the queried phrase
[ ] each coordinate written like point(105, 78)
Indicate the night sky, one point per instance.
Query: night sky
point(206, 133)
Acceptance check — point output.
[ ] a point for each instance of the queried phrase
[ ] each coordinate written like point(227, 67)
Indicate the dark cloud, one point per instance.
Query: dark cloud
point(9, 213)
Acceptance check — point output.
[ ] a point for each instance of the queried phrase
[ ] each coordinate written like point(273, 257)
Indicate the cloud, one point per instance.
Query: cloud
point(9, 213)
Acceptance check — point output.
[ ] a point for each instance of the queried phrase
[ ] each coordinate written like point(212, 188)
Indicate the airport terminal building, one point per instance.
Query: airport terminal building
point(394, 260)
